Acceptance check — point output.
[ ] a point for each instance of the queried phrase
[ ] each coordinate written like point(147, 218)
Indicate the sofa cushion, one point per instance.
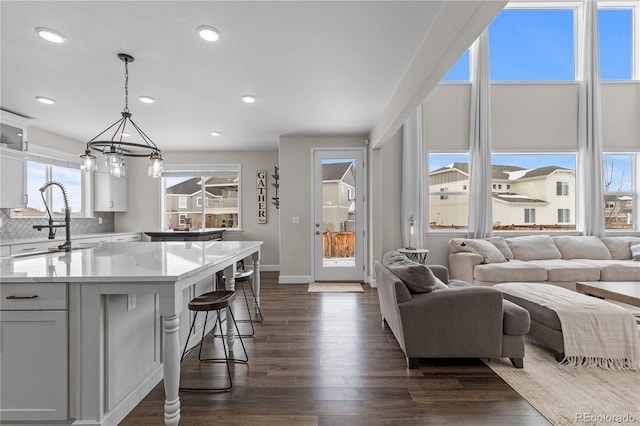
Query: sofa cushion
point(619, 247)
point(635, 250)
point(417, 277)
point(568, 271)
point(514, 270)
point(515, 319)
point(501, 245)
point(487, 250)
point(583, 247)
point(533, 247)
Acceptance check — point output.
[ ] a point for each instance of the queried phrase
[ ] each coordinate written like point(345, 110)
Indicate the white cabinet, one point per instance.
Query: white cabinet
point(33, 352)
point(110, 193)
point(126, 237)
point(31, 248)
point(13, 170)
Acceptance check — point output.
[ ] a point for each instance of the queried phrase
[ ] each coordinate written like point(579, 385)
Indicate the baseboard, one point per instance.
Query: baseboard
point(295, 279)
point(267, 268)
point(372, 282)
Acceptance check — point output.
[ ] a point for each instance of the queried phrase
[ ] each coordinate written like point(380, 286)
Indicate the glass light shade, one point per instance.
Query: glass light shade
point(155, 166)
point(89, 163)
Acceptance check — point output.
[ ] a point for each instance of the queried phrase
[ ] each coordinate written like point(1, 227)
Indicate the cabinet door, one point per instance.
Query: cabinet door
point(119, 194)
point(110, 193)
point(12, 181)
point(33, 365)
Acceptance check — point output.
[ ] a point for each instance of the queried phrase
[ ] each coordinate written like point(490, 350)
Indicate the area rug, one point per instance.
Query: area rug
point(569, 395)
point(335, 288)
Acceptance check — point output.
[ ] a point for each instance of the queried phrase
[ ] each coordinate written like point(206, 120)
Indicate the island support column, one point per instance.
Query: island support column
point(256, 281)
point(171, 328)
point(230, 284)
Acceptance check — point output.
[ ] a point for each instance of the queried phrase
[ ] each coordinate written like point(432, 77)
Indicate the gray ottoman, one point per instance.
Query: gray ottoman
point(545, 325)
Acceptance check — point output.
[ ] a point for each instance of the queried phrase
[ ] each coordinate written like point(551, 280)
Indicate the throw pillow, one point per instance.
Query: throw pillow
point(417, 277)
point(635, 251)
point(487, 250)
point(501, 245)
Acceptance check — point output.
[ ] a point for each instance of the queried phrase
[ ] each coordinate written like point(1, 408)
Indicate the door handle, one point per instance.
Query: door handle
point(317, 232)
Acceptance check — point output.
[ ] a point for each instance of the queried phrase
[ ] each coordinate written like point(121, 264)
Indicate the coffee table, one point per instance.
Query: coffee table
point(622, 291)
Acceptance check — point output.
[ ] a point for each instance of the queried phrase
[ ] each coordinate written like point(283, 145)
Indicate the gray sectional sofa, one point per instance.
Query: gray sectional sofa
point(559, 260)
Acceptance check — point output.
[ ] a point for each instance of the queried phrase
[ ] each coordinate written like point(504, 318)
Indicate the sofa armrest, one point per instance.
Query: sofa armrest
point(461, 265)
point(453, 322)
point(442, 272)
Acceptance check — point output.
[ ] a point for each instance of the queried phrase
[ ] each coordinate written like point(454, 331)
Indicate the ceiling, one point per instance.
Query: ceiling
point(316, 67)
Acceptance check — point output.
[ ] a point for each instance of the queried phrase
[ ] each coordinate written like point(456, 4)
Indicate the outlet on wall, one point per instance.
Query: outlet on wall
point(99, 220)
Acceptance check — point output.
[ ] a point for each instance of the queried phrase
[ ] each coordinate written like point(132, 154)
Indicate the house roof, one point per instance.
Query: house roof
point(503, 171)
point(187, 187)
point(335, 171)
point(513, 197)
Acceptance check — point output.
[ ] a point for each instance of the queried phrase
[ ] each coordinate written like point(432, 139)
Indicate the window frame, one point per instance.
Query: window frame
point(200, 170)
point(52, 157)
point(527, 215)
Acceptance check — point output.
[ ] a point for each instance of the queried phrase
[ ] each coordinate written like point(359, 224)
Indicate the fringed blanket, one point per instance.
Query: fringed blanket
point(596, 333)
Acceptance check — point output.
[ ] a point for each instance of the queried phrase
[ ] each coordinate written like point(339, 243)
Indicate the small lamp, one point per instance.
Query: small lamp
point(410, 233)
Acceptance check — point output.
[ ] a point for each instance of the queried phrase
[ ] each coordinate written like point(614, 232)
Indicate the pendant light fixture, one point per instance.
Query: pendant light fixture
point(115, 149)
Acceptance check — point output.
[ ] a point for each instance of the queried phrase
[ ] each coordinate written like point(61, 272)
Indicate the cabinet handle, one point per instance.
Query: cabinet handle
point(28, 249)
point(14, 297)
point(112, 204)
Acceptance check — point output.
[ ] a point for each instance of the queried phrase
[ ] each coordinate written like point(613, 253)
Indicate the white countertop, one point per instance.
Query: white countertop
point(122, 262)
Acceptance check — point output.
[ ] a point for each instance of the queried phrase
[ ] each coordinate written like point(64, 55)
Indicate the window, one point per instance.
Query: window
point(562, 188)
point(563, 216)
point(536, 180)
point(619, 194)
point(529, 215)
point(207, 196)
point(460, 70)
point(495, 186)
point(38, 173)
point(615, 35)
point(448, 173)
point(532, 45)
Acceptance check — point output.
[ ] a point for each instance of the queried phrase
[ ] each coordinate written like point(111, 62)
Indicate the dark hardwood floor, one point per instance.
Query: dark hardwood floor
point(324, 359)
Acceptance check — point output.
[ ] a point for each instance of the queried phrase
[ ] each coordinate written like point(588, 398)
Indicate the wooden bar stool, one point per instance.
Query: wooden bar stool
point(245, 276)
point(207, 302)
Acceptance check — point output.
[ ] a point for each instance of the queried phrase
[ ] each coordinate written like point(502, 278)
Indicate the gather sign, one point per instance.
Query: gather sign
point(261, 192)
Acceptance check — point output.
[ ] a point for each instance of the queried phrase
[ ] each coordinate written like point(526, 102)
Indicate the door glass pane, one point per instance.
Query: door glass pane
point(338, 212)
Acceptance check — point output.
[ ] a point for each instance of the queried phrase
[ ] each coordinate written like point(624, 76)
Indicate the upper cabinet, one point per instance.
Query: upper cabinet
point(13, 141)
point(110, 193)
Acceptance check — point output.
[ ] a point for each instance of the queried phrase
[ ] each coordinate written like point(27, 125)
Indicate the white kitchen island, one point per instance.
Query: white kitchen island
point(81, 340)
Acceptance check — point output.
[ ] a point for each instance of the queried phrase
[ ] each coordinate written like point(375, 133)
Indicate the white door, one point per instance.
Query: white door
point(339, 214)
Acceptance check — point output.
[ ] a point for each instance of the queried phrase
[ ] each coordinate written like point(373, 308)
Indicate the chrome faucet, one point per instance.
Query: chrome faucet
point(67, 217)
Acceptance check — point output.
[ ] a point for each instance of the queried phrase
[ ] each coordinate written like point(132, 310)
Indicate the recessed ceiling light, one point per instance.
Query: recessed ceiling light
point(125, 134)
point(51, 35)
point(146, 99)
point(216, 133)
point(44, 100)
point(208, 33)
point(249, 99)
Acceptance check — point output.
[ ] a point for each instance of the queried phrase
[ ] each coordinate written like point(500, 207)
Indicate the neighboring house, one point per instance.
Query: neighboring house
point(184, 202)
point(338, 195)
point(521, 197)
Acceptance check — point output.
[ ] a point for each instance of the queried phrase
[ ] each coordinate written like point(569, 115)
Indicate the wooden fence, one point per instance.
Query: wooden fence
point(338, 244)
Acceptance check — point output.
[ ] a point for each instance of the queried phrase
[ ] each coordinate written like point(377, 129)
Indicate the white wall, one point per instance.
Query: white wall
point(295, 200)
point(144, 197)
point(386, 191)
point(55, 141)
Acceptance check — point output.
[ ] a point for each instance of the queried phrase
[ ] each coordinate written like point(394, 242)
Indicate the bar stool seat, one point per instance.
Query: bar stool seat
point(208, 302)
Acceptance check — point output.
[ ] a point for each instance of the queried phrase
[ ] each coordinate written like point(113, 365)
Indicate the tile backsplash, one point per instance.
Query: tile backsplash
point(22, 228)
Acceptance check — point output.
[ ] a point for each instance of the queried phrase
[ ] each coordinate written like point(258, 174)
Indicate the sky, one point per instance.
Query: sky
point(539, 45)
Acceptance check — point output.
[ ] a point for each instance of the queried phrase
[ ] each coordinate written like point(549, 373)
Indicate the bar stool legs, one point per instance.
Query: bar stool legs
point(214, 301)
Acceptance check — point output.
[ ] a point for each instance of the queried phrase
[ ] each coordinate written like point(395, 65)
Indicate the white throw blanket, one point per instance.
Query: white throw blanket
point(596, 333)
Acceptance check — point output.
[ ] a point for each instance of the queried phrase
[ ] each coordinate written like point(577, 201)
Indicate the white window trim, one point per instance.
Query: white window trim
point(196, 169)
